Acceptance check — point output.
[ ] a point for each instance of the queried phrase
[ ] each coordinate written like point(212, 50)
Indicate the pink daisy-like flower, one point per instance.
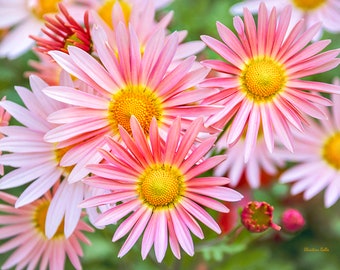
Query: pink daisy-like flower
point(140, 14)
point(62, 30)
point(264, 89)
point(235, 167)
point(158, 185)
point(23, 230)
point(312, 11)
point(126, 82)
point(38, 161)
point(4, 121)
point(318, 159)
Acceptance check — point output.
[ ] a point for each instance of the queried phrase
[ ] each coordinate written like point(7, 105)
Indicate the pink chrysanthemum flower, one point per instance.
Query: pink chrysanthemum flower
point(159, 189)
point(235, 167)
point(110, 10)
point(62, 30)
point(318, 159)
point(264, 89)
point(312, 11)
point(140, 14)
point(126, 82)
point(24, 18)
point(22, 230)
point(38, 161)
point(4, 121)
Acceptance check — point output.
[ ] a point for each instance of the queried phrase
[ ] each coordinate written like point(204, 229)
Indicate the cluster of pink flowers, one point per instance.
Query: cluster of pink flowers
point(122, 123)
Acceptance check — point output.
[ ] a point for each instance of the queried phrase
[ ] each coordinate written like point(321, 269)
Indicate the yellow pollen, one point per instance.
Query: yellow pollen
point(39, 219)
point(308, 5)
point(262, 79)
point(105, 11)
point(138, 101)
point(161, 185)
point(331, 151)
point(41, 7)
point(59, 153)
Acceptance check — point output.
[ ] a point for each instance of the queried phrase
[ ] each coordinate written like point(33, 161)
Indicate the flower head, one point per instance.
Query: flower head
point(259, 164)
point(36, 161)
point(258, 217)
point(125, 82)
point(158, 185)
point(325, 11)
point(61, 31)
point(317, 159)
point(24, 232)
point(264, 90)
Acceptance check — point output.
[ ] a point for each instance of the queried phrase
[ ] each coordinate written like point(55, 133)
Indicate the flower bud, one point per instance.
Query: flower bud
point(292, 220)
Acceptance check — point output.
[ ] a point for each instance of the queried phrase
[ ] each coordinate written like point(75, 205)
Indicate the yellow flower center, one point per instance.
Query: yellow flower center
point(331, 151)
point(262, 79)
point(161, 185)
point(41, 7)
point(105, 11)
point(308, 5)
point(138, 101)
point(59, 153)
point(39, 219)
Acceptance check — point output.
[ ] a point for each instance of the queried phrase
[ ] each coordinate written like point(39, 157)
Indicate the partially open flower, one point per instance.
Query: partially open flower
point(61, 31)
point(292, 220)
point(258, 217)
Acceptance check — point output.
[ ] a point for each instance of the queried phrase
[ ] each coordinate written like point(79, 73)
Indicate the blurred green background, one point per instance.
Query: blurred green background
point(268, 250)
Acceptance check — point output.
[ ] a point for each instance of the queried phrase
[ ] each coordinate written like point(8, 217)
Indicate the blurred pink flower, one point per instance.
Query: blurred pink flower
point(24, 18)
point(158, 182)
point(125, 82)
point(325, 11)
point(235, 168)
point(317, 158)
point(141, 15)
point(4, 121)
point(265, 91)
point(38, 161)
point(22, 230)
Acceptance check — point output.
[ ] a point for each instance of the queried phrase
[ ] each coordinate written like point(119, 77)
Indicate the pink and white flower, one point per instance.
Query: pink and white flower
point(234, 166)
point(158, 185)
point(317, 159)
point(125, 82)
point(326, 12)
point(264, 90)
point(23, 230)
point(38, 161)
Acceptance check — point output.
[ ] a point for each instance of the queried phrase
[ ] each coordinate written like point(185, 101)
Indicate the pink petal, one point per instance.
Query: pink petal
point(199, 213)
point(128, 223)
point(202, 167)
point(116, 213)
point(135, 233)
point(182, 233)
point(161, 241)
point(75, 97)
